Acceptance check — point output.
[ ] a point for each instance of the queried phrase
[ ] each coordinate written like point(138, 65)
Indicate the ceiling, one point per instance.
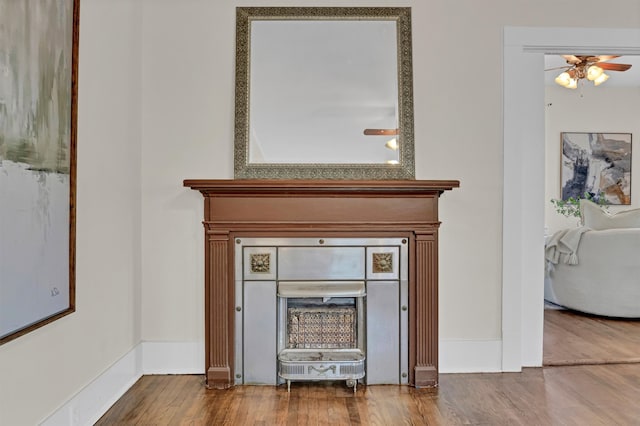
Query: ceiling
point(629, 78)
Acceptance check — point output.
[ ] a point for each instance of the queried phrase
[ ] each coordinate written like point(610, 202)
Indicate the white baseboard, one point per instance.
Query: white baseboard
point(470, 356)
point(88, 405)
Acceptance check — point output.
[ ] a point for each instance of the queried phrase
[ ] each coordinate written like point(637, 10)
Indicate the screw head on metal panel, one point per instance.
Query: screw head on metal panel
point(238, 241)
point(238, 308)
point(404, 375)
point(404, 241)
point(238, 376)
point(321, 241)
point(404, 307)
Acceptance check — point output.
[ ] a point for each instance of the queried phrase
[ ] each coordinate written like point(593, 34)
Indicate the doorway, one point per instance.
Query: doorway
point(523, 216)
point(575, 338)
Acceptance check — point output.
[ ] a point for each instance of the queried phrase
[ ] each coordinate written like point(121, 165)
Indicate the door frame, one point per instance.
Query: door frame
point(524, 174)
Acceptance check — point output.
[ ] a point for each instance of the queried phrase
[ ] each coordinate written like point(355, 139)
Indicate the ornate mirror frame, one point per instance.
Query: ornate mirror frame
point(244, 169)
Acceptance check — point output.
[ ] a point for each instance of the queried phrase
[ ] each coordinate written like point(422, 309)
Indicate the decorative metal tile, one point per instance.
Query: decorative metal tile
point(382, 262)
point(322, 327)
point(261, 263)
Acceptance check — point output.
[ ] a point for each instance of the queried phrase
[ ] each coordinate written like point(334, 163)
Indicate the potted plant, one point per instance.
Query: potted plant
point(571, 206)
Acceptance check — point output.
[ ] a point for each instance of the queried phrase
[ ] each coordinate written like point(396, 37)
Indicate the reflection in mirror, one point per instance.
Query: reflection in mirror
point(324, 93)
point(322, 83)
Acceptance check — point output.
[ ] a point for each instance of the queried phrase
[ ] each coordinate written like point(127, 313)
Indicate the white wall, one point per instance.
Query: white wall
point(188, 96)
point(188, 133)
point(43, 369)
point(174, 61)
point(598, 109)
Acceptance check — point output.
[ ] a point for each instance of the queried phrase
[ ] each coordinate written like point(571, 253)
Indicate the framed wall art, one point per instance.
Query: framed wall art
point(38, 110)
point(598, 164)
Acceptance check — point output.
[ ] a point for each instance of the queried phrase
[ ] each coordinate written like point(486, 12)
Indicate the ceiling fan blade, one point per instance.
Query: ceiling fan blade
point(380, 132)
point(613, 67)
point(566, 67)
point(572, 59)
point(602, 58)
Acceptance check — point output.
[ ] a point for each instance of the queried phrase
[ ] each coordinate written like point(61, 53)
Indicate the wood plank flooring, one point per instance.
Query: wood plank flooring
point(581, 395)
point(594, 394)
point(572, 338)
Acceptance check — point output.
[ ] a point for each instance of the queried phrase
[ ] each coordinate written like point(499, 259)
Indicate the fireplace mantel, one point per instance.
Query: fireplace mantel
point(311, 208)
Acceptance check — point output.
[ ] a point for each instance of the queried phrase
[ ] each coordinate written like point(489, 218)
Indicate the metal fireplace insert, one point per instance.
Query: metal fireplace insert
point(310, 309)
point(321, 331)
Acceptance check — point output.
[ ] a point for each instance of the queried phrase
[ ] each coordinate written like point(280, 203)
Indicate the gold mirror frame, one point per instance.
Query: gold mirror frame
point(243, 169)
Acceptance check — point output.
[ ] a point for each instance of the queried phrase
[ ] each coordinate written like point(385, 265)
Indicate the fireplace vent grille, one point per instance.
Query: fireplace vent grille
point(322, 327)
point(352, 369)
point(292, 369)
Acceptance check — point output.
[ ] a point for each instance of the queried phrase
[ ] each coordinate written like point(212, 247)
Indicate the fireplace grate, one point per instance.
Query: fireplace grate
point(334, 364)
point(328, 327)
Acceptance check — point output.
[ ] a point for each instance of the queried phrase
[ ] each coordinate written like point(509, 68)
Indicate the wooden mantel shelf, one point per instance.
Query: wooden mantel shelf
point(250, 186)
point(305, 208)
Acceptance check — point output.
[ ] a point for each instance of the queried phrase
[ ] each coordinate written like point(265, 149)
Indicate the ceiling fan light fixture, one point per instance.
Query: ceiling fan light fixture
point(590, 68)
point(601, 79)
point(594, 72)
point(392, 144)
point(563, 79)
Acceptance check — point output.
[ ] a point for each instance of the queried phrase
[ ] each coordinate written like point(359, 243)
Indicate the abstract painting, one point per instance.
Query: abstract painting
point(598, 164)
point(38, 98)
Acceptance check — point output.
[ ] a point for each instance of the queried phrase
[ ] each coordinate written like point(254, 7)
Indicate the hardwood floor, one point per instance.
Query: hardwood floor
point(593, 394)
point(572, 338)
point(581, 395)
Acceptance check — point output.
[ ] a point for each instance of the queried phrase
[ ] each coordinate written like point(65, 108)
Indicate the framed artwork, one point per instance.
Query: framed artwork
point(598, 164)
point(38, 115)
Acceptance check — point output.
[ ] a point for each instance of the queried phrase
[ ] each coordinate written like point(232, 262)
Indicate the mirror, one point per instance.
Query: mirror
point(323, 93)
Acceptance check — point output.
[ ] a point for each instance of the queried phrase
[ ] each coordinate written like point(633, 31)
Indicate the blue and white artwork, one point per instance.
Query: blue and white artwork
point(36, 149)
point(598, 164)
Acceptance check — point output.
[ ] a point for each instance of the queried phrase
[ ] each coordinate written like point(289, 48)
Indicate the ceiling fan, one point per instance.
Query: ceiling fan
point(590, 67)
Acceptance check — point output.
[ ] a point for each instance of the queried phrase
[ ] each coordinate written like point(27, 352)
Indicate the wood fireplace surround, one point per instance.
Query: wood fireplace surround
point(310, 208)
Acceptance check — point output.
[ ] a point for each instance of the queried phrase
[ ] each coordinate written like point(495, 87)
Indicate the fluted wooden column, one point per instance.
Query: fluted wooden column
point(218, 305)
point(426, 306)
